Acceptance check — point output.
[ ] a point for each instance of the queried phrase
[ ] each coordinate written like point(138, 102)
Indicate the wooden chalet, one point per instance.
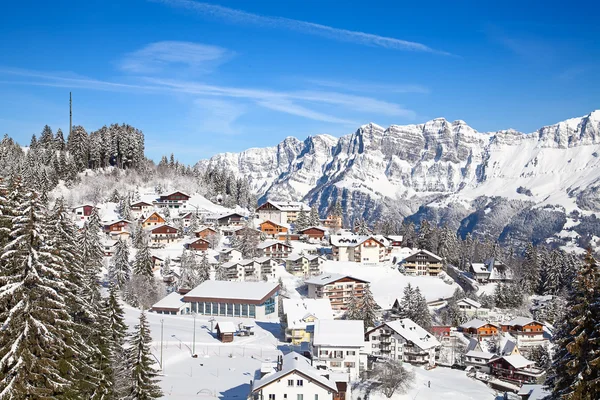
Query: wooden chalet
point(225, 331)
point(313, 232)
point(516, 369)
point(82, 212)
point(205, 231)
point(272, 229)
point(197, 244)
point(119, 225)
point(141, 207)
point(173, 200)
point(163, 234)
point(155, 219)
point(479, 328)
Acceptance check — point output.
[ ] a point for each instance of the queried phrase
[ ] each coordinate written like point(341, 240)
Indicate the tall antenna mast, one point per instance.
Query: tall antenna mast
point(70, 113)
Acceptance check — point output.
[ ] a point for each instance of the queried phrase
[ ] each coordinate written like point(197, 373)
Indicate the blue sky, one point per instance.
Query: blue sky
point(200, 78)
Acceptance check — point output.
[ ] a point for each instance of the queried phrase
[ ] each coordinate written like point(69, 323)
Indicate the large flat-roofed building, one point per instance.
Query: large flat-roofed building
point(234, 299)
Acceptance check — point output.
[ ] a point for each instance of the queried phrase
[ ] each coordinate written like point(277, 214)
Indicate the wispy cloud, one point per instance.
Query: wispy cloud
point(216, 116)
point(343, 35)
point(369, 87)
point(155, 57)
point(291, 102)
point(572, 72)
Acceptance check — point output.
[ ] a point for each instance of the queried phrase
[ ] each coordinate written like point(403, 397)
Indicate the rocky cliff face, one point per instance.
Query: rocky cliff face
point(403, 168)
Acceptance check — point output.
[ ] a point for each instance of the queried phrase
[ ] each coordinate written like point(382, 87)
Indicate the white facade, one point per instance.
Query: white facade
point(479, 360)
point(472, 308)
point(338, 345)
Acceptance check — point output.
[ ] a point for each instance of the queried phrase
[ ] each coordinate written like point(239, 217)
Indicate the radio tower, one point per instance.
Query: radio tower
point(70, 114)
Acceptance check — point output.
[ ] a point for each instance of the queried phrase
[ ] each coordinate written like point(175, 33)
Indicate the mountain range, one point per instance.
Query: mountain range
point(484, 183)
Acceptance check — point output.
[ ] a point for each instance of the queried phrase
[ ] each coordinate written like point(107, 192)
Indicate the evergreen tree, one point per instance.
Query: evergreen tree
point(120, 269)
point(59, 141)
point(143, 263)
point(203, 269)
point(46, 137)
point(575, 372)
point(368, 308)
point(221, 273)
point(407, 303)
point(313, 218)
point(117, 332)
point(78, 147)
point(421, 314)
point(35, 346)
point(530, 269)
point(302, 222)
point(144, 382)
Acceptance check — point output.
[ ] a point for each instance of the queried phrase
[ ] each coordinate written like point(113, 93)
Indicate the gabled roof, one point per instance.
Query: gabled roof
point(414, 333)
point(476, 324)
point(153, 228)
point(423, 251)
point(395, 238)
point(480, 354)
point(326, 279)
point(521, 321)
point(229, 250)
point(479, 268)
point(470, 302)
point(203, 228)
point(263, 259)
point(269, 243)
point(534, 392)
point(352, 240)
point(178, 191)
point(296, 257)
point(194, 240)
point(226, 327)
point(157, 214)
point(222, 215)
point(294, 362)
point(297, 310)
point(322, 229)
point(287, 205)
point(518, 361)
point(339, 333)
point(281, 224)
point(108, 223)
point(141, 203)
point(82, 205)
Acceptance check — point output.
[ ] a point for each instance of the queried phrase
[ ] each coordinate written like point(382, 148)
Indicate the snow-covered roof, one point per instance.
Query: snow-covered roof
point(518, 361)
point(297, 310)
point(296, 257)
point(283, 224)
point(339, 333)
point(475, 323)
point(480, 354)
point(321, 228)
point(227, 251)
point(326, 279)
point(534, 392)
point(203, 228)
point(295, 362)
point(114, 221)
point(247, 261)
point(479, 268)
point(520, 321)
point(269, 243)
point(348, 240)
point(82, 205)
point(175, 192)
point(193, 240)
point(229, 264)
point(253, 291)
point(141, 203)
point(217, 216)
point(226, 327)
point(470, 302)
point(153, 228)
point(263, 259)
point(395, 238)
point(409, 330)
point(289, 205)
point(428, 253)
point(172, 301)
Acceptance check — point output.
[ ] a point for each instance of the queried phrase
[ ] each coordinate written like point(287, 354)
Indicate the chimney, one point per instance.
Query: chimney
point(279, 363)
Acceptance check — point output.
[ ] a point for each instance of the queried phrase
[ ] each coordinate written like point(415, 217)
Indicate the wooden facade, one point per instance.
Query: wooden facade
point(313, 232)
point(117, 226)
point(198, 245)
point(205, 232)
point(176, 196)
point(153, 220)
point(271, 228)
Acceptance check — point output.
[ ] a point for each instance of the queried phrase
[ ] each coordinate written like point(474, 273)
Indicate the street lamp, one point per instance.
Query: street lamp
point(194, 339)
point(161, 344)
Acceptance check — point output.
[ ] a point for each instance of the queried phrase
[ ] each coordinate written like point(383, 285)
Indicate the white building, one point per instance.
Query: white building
point(294, 378)
point(234, 299)
point(141, 208)
point(300, 317)
point(338, 345)
point(479, 360)
point(492, 270)
point(356, 248)
point(171, 304)
point(274, 249)
point(403, 340)
point(227, 255)
point(472, 308)
point(281, 211)
point(338, 288)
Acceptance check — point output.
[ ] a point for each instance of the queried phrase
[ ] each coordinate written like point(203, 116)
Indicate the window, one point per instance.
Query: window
point(299, 382)
point(290, 382)
point(349, 365)
point(271, 396)
point(335, 364)
point(316, 397)
point(374, 337)
point(299, 397)
point(285, 395)
point(374, 346)
point(350, 353)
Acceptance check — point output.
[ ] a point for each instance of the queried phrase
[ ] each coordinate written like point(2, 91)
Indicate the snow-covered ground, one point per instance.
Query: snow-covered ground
point(387, 284)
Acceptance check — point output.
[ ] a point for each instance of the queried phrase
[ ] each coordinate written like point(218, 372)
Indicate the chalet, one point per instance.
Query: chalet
point(197, 244)
point(339, 345)
point(356, 248)
point(274, 249)
point(273, 229)
point(226, 219)
point(155, 219)
point(300, 316)
point(141, 208)
point(82, 212)
point(205, 231)
point(422, 262)
point(516, 369)
point(527, 331)
point(332, 222)
point(185, 219)
point(534, 392)
point(227, 255)
point(479, 328)
point(492, 270)
point(119, 225)
point(281, 211)
point(108, 247)
point(472, 308)
point(225, 331)
point(395, 240)
point(234, 299)
point(479, 360)
point(267, 267)
point(162, 234)
point(338, 288)
point(171, 304)
point(403, 340)
point(288, 236)
point(175, 200)
point(313, 232)
point(295, 378)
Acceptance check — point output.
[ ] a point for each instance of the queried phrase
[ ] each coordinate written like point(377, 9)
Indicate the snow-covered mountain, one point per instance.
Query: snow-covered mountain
point(414, 168)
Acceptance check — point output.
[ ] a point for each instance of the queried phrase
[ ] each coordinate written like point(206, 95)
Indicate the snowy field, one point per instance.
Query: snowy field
point(224, 370)
point(387, 284)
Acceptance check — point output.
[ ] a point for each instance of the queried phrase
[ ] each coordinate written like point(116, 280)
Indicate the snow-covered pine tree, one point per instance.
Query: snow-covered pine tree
point(143, 263)
point(553, 272)
point(421, 314)
point(120, 269)
point(408, 302)
point(575, 372)
point(302, 221)
point(35, 345)
point(313, 218)
point(144, 382)
point(139, 236)
point(368, 308)
point(59, 141)
point(78, 147)
point(353, 310)
point(221, 273)
point(46, 137)
point(203, 269)
point(530, 269)
point(409, 235)
point(166, 268)
point(117, 332)
point(189, 270)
